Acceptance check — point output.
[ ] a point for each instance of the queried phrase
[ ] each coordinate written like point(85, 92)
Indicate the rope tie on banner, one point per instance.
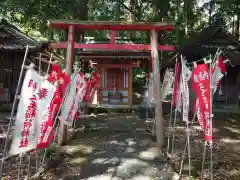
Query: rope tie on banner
point(203, 59)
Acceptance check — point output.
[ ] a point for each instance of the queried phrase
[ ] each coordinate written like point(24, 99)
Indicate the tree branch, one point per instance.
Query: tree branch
point(127, 8)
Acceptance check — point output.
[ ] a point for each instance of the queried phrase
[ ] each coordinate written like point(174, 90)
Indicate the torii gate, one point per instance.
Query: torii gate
point(114, 26)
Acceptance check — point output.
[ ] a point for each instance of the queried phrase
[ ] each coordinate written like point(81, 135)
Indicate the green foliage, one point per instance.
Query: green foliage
point(51, 152)
point(139, 80)
point(33, 14)
point(189, 16)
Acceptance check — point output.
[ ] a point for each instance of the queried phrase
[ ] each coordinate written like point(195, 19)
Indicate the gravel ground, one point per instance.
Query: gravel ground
point(114, 147)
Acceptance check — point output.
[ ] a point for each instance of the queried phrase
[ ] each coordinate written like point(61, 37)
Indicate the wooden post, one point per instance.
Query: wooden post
point(113, 36)
point(69, 68)
point(130, 88)
point(157, 91)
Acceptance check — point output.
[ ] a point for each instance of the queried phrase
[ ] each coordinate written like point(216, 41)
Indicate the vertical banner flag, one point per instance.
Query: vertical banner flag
point(27, 127)
point(92, 85)
point(196, 105)
point(75, 95)
point(167, 83)
point(45, 108)
point(218, 71)
point(69, 100)
point(81, 87)
point(57, 75)
point(186, 75)
point(96, 83)
point(202, 83)
point(176, 84)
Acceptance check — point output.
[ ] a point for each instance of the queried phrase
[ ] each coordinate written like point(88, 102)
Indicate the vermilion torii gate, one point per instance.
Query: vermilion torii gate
point(114, 26)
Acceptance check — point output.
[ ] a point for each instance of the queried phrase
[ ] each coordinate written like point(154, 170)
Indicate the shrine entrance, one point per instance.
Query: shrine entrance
point(116, 72)
point(114, 61)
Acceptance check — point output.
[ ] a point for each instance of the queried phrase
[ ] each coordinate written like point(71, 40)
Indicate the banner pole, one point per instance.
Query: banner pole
point(169, 126)
point(211, 116)
point(185, 106)
point(173, 129)
point(185, 148)
point(189, 151)
point(171, 112)
point(19, 166)
point(183, 156)
point(211, 160)
point(13, 109)
point(203, 160)
point(29, 167)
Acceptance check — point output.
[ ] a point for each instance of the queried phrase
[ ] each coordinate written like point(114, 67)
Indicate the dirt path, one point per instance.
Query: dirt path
point(112, 147)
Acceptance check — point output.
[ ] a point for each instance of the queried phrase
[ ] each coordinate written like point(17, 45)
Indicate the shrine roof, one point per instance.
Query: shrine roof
point(12, 38)
point(111, 25)
point(207, 42)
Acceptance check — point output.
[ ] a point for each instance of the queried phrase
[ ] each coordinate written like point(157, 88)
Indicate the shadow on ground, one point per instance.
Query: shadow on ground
point(226, 148)
point(113, 147)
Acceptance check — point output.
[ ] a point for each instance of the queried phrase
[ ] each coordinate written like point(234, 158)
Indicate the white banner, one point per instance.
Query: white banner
point(80, 90)
point(179, 96)
point(69, 100)
point(45, 95)
point(167, 83)
point(27, 131)
point(216, 77)
point(186, 75)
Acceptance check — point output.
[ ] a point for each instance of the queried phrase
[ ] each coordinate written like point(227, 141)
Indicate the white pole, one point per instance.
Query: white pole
point(185, 148)
point(13, 109)
point(170, 126)
point(171, 112)
point(211, 116)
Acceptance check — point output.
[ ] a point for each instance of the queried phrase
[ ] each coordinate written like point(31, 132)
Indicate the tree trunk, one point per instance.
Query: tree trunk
point(237, 26)
point(157, 84)
point(233, 26)
point(82, 14)
point(133, 4)
point(185, 10)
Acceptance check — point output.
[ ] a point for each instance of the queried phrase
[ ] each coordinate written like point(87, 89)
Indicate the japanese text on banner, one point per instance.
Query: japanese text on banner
point(80, 91)
point(26, 130)
point(202, 80)
point(45, 108)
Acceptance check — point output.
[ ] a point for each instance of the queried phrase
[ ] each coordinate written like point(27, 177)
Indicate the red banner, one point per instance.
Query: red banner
point(92, 86)
point(176, 84)
point(202, 89)
point(56, 74)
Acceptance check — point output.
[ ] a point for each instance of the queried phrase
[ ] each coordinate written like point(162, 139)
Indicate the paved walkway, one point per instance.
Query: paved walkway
point(113, 147)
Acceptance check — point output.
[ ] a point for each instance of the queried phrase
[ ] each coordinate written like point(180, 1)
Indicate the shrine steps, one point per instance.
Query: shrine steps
point(111, 108)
